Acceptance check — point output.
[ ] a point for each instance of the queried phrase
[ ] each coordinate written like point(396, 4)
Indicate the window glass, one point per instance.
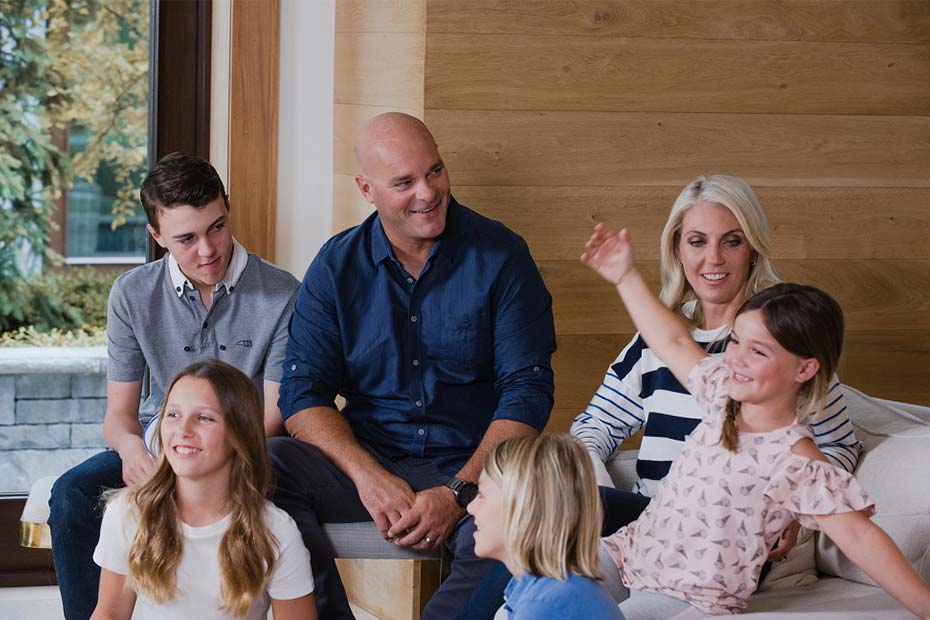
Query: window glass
point(74, 81)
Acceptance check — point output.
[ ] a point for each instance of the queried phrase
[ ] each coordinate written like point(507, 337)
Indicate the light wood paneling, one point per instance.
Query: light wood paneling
point(380, 51)
point(380, 16)
point(617, 149)
point(899, 21)
point(807, 222)
point(384, 69)
point(253, 133)
point(893, 365)
point(390, 589)
point(676, 75)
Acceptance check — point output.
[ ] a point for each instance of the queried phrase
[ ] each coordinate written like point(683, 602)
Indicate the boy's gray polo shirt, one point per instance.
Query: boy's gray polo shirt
point(149, 324)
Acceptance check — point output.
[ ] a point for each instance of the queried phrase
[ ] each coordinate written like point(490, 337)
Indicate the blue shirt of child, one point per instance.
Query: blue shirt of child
point(529, 597)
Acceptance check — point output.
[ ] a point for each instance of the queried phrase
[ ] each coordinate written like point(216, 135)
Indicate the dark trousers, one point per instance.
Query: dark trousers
point(75, 513)
point(620, 508)
point(313, 491)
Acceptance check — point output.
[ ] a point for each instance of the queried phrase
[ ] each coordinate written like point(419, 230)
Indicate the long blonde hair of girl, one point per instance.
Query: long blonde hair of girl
point(247, 549)
point(552, 511)
point(806, 322)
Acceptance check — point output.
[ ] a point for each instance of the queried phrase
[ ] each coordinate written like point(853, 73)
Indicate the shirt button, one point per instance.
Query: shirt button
point(409, 280)
point(535, 368)
point(178, 289)
point(419, 403)
point(193, 298)
point(413, 319)
point(416, 362)
point(222, 347)
point(187, 348)
point(293, 366)
point(421, 432)
point(204, 324)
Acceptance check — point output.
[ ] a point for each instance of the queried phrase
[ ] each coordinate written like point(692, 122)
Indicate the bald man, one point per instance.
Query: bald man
point(435, 326)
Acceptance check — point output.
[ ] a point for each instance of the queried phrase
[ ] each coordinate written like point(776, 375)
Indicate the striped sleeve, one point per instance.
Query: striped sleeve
point(616, 409)
point(833, 432)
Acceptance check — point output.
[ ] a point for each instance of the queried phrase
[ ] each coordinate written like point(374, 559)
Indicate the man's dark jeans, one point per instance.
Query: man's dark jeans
point(313, 491)
point(74, 519)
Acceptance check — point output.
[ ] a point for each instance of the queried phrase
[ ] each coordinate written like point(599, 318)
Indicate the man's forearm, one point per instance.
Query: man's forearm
point(499, 431)
point(327, 430)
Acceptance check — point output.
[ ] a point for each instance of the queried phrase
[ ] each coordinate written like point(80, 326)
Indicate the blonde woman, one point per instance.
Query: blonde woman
point(538, 512)
point(715, 254)
point(198, 539)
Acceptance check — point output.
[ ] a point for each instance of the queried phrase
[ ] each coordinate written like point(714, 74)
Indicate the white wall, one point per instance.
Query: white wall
point(305, 132)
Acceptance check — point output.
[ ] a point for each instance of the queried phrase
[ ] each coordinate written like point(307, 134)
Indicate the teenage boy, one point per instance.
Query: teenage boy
point(207, 298)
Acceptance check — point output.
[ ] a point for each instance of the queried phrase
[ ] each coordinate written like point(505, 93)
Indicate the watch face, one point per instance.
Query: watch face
point(467, 493)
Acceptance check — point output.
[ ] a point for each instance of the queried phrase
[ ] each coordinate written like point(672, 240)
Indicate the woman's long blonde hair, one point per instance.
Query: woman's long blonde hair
point(806, 322)
point(735, 194)
point(552, 511)
point(247, 549)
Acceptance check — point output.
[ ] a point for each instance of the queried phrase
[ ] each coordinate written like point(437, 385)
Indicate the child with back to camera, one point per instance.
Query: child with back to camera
point(750, 467)
point(199, 539)
point(538, 512)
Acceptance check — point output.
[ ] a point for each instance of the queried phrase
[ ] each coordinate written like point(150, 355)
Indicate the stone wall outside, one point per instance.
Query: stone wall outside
point(52, 403)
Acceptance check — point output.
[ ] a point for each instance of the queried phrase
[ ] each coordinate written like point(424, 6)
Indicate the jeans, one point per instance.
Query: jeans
point(620, 508)
point(313, 491)
point(75, 513)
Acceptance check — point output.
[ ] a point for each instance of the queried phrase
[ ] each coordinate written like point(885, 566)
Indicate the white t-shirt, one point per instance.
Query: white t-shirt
point(198, 579)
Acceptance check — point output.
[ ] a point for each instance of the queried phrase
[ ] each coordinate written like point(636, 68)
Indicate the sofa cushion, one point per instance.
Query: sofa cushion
point(894, 470)
point(799, 568)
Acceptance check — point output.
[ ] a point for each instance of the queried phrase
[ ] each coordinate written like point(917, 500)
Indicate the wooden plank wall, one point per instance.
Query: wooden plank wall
point(555, 114)
point(380, 47)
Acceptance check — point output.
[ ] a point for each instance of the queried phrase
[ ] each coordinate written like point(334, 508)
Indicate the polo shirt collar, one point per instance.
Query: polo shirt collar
point(237, 264)
point(381, 246)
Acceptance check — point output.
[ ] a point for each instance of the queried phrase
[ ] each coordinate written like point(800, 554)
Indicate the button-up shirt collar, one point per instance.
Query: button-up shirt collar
point(240, 258)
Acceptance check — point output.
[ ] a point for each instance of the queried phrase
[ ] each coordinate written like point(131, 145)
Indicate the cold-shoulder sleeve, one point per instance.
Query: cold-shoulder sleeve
point(708, 384)
point(808, 488)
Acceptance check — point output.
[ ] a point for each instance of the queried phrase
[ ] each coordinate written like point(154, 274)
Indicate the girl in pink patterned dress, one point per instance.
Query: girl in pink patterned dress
point(750, 467)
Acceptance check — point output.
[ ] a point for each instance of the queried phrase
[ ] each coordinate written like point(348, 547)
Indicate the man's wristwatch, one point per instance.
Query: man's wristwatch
point(463, 490)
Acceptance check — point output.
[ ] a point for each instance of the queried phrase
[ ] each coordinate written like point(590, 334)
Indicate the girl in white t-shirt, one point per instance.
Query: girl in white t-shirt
point(199, 539)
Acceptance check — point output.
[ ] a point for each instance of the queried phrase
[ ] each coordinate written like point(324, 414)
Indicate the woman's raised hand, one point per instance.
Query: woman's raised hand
point(609, 254)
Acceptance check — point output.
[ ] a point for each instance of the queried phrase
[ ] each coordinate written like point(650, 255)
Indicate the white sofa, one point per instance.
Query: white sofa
point(816, 581)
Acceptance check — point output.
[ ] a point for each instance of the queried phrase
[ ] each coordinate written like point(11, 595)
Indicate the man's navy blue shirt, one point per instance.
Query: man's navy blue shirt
point(425, 365)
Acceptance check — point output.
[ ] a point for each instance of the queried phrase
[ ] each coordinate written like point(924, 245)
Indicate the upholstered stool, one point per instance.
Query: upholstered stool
point(33, 524)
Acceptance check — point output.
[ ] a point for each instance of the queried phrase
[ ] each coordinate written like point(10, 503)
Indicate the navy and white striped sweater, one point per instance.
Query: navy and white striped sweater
point(639, 391)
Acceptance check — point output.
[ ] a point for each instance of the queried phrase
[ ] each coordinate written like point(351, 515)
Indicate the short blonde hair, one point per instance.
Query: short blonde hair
point(552, 511)
point(735, 194)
